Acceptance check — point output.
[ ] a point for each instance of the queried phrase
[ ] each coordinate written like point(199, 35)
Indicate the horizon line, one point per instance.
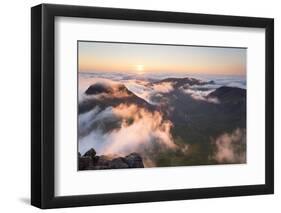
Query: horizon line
point(147, 73)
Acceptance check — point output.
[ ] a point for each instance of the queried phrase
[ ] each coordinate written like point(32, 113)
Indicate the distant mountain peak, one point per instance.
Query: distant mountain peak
point(105, 95)
point(178, 82)
point(99, 88)
point(226, 93)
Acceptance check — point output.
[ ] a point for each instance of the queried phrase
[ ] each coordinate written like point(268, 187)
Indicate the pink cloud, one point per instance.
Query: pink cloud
point(140, 130)
point(231, 147)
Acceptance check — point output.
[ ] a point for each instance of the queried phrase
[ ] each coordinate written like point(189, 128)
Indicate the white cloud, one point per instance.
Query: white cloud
point(231, 147)
point(205, 86)
point(147, 91)
point(164, 87)
point(200, 95)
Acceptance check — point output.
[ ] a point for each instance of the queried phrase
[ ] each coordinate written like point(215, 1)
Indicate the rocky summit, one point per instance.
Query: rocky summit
point(90, 161)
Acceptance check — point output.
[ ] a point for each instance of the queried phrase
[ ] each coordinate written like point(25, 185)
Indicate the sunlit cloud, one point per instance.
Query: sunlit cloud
point(147, 91)
point(230, 147)
point(139, 130)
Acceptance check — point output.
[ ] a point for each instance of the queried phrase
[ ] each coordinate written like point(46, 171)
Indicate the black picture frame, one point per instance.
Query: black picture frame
point(43, 102)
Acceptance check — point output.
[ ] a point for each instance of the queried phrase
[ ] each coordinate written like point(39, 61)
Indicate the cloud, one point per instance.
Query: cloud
point(236, 84)
point(239, 82)
point(147, 91)
point(85, 120)
point(116, 89)
point(205, 86)
point(164, 87)
point(231, 147)
point(95, 139)
point(140, 88)
point(200, 95)
point(85, 82)
point(95, 118)
point(140, 130)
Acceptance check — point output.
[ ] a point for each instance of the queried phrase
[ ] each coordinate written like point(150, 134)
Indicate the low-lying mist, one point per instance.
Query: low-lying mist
point(140, 130)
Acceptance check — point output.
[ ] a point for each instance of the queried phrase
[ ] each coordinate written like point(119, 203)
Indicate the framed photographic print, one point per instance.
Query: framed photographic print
point(140, 106)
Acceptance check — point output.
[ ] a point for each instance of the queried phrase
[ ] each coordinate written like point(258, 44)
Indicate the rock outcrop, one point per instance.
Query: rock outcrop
point(90, 161)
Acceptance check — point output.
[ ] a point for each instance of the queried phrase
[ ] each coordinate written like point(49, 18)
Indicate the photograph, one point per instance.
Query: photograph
point(160, 105)
point(134, 105)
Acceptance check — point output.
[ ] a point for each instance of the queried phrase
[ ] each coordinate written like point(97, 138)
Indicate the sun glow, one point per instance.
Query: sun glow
point(140, 69)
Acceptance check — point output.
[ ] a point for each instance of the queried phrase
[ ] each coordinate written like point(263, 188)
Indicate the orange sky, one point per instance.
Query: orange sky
point(144, 58)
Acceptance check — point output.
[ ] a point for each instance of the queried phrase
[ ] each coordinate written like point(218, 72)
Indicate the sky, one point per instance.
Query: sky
point(149, 58)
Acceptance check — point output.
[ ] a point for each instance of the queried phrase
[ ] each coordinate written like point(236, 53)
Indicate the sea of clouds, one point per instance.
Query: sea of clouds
point(147, 130)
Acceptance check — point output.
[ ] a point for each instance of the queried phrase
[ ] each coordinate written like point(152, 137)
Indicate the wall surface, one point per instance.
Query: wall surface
point(15, 105)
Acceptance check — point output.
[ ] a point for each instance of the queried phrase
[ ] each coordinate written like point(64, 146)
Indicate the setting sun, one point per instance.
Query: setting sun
point(140, 68)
